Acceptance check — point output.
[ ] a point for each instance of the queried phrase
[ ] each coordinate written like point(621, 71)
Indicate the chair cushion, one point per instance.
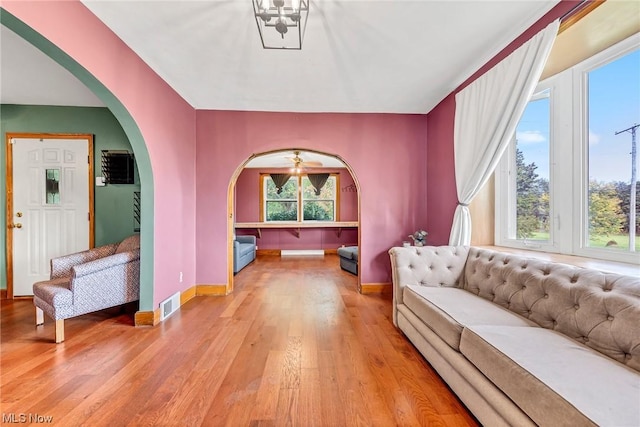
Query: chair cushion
point(129, 244)
point(349, 252)
point(55, 292)
point(447, 310)
point(552, 378)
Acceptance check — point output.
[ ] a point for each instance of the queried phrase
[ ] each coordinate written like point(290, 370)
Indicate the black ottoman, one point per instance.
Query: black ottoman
point(349, 259)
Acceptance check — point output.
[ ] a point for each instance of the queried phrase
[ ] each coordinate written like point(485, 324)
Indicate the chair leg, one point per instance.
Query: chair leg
point(59, 331)
point(39, 316)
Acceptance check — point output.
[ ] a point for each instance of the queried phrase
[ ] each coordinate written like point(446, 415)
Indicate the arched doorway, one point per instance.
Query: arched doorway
point(285, 153)
point(132, 132)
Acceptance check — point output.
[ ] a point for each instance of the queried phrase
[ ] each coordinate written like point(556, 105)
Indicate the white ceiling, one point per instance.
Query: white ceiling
point(29, 77)
point(391, 56)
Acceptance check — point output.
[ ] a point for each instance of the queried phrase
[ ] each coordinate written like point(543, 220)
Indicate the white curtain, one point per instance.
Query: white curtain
point(487, 113)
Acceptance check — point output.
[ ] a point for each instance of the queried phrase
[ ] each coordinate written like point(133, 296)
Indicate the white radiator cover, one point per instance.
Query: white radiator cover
point(298, 252)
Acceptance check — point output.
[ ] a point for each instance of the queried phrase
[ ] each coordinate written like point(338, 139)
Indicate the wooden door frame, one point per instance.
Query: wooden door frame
point(9, 191)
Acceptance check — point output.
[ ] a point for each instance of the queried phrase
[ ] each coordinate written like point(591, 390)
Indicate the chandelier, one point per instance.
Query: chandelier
point(281, 23)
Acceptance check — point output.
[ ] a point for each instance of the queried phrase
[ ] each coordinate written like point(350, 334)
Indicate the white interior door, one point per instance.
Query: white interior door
point(50, 205)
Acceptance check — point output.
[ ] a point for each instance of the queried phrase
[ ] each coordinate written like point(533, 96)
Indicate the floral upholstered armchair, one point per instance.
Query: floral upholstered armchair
point(89, 281)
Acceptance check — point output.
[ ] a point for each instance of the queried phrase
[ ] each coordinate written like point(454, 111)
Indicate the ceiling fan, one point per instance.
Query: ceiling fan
point(299, 163)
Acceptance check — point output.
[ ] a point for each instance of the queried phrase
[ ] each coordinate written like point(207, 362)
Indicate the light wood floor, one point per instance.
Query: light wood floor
point(294, 345)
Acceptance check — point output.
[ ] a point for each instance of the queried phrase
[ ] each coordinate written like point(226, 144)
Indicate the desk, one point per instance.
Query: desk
point(296, 226)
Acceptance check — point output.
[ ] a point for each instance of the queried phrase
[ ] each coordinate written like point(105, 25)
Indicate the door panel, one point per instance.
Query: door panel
point(51, 202)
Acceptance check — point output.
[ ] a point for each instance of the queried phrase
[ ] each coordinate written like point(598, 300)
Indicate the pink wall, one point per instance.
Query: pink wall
point(248, 210)
point(386, 152)
point(441, 194)
point(162, 116)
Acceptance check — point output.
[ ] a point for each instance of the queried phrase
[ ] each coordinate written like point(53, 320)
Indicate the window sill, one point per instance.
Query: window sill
point(597, 264)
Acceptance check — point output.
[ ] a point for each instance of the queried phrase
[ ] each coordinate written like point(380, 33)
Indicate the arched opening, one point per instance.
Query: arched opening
point(284, 153)
point(132, 132)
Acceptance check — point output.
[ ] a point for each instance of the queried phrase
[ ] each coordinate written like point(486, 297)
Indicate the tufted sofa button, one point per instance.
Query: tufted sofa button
point(431, 267)
point(411, 267)
point(523, 266)
point(627, 356)
point(576, 306)
point(546, 296)
point(523, 286)
point(545, 272)
point(574, 279)
point(610, 318)
point(585, 339)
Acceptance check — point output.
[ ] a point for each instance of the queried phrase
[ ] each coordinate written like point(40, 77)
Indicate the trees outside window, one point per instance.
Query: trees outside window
point(298, 200)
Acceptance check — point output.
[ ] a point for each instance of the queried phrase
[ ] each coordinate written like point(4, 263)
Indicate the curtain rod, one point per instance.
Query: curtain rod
point(578, 12)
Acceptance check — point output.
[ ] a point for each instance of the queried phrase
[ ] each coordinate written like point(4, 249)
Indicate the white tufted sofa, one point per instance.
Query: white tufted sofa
point(523, 341)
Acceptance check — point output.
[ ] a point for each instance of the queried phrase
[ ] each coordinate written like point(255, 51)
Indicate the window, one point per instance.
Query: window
point(613, 100)
point(281, 206)
point(565, 184)
point(319, 207)
point(529, 185)
point(298, 199)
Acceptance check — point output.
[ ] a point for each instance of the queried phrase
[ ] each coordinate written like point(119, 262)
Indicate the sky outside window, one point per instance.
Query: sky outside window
point(614, 105)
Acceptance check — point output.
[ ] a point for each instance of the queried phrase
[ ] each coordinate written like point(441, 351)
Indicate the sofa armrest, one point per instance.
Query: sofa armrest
point(103, 263)
point(439, 266)
point(62, 266)
point(246, 239)
point(98, 285)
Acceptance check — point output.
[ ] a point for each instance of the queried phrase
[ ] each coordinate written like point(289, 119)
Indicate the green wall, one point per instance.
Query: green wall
point(113, 202)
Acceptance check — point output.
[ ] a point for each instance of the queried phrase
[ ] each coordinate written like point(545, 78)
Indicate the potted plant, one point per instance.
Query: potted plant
point(419, 237)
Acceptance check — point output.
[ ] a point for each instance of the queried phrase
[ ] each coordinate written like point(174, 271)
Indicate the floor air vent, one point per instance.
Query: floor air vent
point(169, 306)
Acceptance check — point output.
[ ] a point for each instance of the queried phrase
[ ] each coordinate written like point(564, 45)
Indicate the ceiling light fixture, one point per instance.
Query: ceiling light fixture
point(287, 17)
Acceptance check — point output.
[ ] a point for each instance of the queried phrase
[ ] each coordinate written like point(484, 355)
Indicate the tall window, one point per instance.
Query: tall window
point(531, 180)
point(566, 184)
point(298, 200)
point(613, 94)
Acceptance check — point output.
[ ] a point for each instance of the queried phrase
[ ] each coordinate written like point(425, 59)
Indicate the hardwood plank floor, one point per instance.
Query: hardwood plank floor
point(295, 344)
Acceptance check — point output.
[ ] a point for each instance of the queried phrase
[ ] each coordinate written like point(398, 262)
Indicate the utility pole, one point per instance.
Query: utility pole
point(632, 198)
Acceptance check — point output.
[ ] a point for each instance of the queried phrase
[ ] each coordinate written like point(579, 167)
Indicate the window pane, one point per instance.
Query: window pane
point(318, 210)
point(532, 171)
point(53, 186)
point(613, 111)
point(282, 211)
point(328, 191)
point(289, 191)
